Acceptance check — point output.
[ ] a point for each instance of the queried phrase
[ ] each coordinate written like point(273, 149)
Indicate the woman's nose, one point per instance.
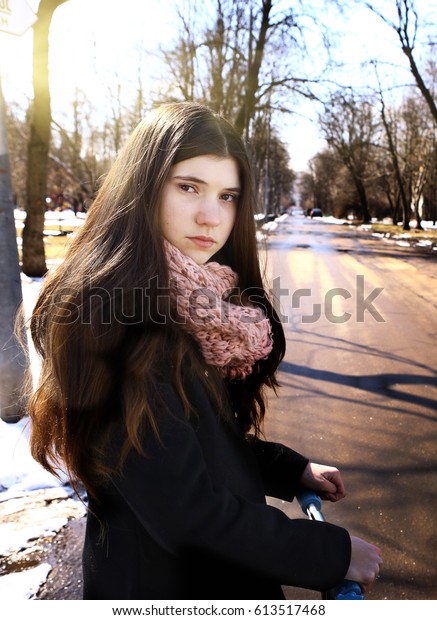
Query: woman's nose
point(208, 213)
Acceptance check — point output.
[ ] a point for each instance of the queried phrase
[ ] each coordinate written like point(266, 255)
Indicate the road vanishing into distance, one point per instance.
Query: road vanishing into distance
point(359, 388)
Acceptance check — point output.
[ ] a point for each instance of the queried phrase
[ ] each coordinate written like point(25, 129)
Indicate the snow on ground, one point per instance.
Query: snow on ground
point(19, 472)
point(65, 217)
point(23, 585)
point(21, 475)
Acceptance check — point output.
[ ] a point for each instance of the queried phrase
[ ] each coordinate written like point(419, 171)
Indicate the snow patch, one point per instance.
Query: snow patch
point(18, 470)
point(25, 584)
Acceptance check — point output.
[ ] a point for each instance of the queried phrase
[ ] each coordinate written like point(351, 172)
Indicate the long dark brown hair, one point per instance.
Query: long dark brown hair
point(101, 323)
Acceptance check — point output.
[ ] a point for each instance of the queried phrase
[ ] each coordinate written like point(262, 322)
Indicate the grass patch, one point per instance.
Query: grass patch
point(55, 246)
point(394, 231)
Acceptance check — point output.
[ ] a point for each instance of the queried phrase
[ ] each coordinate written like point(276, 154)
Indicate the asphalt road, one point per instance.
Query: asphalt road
point(359, 388)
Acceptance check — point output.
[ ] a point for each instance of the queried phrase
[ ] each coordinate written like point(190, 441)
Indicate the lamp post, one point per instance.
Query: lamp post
point(15, 18)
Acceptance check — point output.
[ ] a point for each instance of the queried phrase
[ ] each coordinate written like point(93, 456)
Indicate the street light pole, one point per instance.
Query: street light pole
point(15, 18)
point(13, 359)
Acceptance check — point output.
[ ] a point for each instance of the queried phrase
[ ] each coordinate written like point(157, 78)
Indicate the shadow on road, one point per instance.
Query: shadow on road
point(381, 383)
point(381, 429)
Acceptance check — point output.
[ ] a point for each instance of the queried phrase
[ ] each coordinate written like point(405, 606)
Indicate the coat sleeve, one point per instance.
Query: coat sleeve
point(171, 493)
point(281, 467)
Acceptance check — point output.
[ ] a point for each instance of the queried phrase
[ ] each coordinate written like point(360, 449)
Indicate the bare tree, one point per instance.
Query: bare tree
point(332, 188)
point(85, 151)
point(236, 59)
point(18, 138)
point(34, 263)
point(390, 133)
point(349, 128)
point(256, 53)
point(417, 144)
point(181, 61)
point(406, 26)
point(306, 190)
point(273, 174)
point(239, 61)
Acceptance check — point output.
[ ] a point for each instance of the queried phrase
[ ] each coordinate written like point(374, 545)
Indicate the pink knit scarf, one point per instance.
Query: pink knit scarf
point(231, 337)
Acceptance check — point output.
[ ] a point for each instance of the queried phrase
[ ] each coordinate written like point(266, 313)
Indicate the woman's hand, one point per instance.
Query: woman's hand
point(366, 558)
point(365, 563)
point(325, 480)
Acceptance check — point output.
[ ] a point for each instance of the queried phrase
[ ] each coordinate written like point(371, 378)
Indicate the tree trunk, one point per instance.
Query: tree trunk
point(396, 167)
point(247, 110)
point(391, 202)
point(34, 264)
point(426, 93)
point(12, 357)
point(362, 196)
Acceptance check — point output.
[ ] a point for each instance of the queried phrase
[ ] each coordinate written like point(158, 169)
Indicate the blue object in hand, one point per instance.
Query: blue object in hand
point(348, 591)
point(311, 505)
point(307, 498)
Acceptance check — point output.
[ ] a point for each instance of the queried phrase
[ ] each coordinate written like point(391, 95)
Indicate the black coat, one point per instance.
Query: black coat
point(189, 520)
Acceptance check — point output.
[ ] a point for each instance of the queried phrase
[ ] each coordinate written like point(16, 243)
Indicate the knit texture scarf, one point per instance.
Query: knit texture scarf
point(231, 337)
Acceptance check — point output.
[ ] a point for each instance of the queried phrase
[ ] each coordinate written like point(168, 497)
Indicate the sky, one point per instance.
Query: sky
point(93, 42)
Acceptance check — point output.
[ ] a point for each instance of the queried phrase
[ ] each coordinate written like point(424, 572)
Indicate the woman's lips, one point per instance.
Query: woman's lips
point(202, 242)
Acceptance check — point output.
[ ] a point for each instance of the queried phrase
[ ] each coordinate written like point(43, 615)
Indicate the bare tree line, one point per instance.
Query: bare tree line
point(381, 155)
point(380, 160)
point(245, 60)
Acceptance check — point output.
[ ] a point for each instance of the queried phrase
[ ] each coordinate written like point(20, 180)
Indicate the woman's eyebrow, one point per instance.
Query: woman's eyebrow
point(187, 177)
point(233, 189)
point(184, 177)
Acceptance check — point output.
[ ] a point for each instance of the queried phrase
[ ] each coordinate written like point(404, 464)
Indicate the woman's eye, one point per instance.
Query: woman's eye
point(186, 188)
point(230, 197)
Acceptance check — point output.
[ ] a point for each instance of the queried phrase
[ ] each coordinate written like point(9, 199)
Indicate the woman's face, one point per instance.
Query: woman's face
point(199, 205)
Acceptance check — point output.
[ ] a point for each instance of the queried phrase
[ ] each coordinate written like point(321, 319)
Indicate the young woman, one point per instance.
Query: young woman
point(158, 342)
